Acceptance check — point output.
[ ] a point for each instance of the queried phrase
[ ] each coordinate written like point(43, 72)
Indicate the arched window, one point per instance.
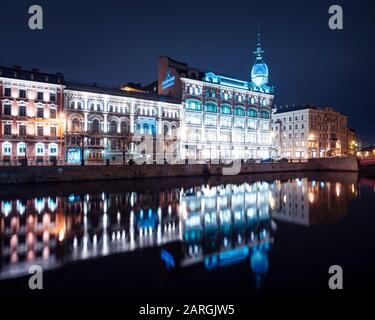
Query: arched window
point(7, 148)
point(124, 127)
point(52, 149)
point(79, 105)
point(75, 125)
point(225, 109)
point(138, 127)
point(211, 107)
point(174, 131)
point(253, 100)
point(113, 126)
point(252, 113)
point(95, 125)
point(153, 130)
point(21, 149)
point(193, 105)
point(145, 128)
point(72, 105)
point(39, 149)
point(265, 114)
point(166, 130)
point(239, 111)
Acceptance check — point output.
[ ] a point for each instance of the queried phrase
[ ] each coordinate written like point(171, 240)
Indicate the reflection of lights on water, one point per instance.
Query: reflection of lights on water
point(105, 221)
point(75, 242)
point(322, 184)
point(39, 204)
point(338, 189)
point(61, 235)
point(52, 204)
point(353, 188)
point(7, 207)
point(94, 240)
point(271, 200)
point(284, 198)
point(311, 197)
point(313, 183)
point(20, 207)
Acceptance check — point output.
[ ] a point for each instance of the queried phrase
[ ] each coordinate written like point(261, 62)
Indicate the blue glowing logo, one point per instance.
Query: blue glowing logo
point(168, 81)
point(167, 258)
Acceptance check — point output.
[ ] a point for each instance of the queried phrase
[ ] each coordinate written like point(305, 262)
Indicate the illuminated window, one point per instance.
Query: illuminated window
point(265, 114)
point(252, 113)
point(225, 109)
point(21, 149)
point(52, 149)
point(39, 149)
point(239, 111)
point(193, 105)
point(211, 107)
point(7, 148)
point(210, 120)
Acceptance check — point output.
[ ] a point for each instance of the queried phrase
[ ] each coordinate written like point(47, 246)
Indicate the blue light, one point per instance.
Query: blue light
point(313, 183)
point(226, 258)
point(167, 258)
point(259, 262)
point(168, 81)
point(322, 184)
point(71, 198)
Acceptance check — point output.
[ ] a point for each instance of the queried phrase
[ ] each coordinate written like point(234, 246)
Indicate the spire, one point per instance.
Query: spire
point(258, 52)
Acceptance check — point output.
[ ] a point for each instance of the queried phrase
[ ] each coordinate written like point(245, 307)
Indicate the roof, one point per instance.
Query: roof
point(16, 72)
point(305, 107)
point(101, 89)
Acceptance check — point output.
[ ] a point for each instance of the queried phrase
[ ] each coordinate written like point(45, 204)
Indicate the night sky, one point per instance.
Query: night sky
point(112, 42)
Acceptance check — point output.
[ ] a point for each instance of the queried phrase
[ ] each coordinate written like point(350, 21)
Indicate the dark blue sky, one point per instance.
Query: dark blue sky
point(114, 42)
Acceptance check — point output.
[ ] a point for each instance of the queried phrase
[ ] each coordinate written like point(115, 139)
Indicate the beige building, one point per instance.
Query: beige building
point(302, 132)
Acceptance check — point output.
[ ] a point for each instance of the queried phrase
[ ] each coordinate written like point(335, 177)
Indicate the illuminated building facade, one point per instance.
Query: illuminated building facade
point(104, 116)
point(302, 132)
point(31, 116)
point(222, 117)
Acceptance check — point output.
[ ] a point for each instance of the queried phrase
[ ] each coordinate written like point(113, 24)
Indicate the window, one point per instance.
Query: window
point(265, 114)
point(193, 105)
point(7, 109)
point(252, 124)
point(113, 126)
point(92, 107)
point(79, 105)
point(52, 97)
point(225, 109)
point(145, 128)
point(225, 122)
point(95, 125)
point(7, 148)
point(39, 149)
point(124, 127)
point(210, 120)
point(290, 118)
point(22, 130)
point(22, 111)
point(22, 94)
point(211, 107)
point(7, 129)
point(252, 113)
point(21, 149)
point(7, 92)
point(239, 111)
point(75, 125)
point(52, 113)
point(239, 123)
point(40, 113)
point(40, 131)
point(166, 130)
point(40, 96)
point(53, 132)
point(53, 149)
point(296, 126)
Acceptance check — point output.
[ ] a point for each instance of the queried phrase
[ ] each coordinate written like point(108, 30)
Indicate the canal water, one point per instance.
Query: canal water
point(190, 239)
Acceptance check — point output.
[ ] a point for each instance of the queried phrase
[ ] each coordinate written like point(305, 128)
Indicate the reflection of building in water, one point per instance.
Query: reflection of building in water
point(217, 225)
point(227, 224)
point(307, 202)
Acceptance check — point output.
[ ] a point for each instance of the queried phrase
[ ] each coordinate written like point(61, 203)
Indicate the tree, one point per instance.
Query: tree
point(124, 139)
point(80, 140)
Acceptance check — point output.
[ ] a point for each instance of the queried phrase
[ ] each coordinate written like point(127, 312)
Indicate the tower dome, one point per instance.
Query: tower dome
point(259, 72)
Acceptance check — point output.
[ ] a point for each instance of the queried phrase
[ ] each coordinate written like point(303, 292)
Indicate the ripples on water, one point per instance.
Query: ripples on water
point(218, 224)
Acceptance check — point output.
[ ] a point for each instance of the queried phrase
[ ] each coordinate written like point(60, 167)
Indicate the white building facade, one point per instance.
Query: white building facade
point(106, 115)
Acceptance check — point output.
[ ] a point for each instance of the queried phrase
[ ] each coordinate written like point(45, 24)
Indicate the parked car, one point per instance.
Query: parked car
point(250, 160)
point(266, 160)
point(282, 160)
